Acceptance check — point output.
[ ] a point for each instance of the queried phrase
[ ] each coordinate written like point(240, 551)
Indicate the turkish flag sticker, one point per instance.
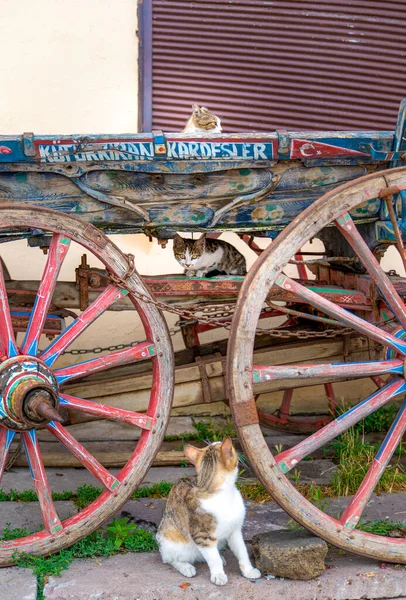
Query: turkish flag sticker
point(307, 149)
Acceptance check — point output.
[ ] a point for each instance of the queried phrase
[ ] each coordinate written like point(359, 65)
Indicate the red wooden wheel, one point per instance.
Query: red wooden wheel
point(31, 391)
point(333, 207)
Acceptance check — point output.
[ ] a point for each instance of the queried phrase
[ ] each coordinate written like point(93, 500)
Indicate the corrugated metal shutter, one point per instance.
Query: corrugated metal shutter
point(261, 65)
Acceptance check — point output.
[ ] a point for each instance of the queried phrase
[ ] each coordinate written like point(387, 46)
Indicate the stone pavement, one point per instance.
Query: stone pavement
point(143, 576)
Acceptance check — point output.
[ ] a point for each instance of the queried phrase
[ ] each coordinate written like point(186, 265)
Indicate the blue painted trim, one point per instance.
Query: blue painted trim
point(9, 438)
point(401, 390)
point(394, 370)
point(388, 435)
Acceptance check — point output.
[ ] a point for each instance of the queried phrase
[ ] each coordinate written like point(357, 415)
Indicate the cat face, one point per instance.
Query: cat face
point(213, 463)
point(187, 251)
point(202, 120)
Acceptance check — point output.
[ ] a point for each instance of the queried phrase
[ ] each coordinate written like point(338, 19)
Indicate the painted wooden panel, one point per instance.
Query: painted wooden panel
point(161, 183)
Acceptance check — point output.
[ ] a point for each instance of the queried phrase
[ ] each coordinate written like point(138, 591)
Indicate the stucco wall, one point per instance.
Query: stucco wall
point(68, 66)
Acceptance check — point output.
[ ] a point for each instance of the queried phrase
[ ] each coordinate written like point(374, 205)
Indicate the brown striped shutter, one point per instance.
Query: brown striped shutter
point(266, 65)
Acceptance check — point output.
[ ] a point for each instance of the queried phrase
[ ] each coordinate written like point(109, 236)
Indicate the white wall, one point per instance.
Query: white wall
point(68, 66)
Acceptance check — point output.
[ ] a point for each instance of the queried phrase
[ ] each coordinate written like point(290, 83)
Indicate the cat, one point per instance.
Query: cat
point(202, 121)
point(205, 512)
point(207, 257)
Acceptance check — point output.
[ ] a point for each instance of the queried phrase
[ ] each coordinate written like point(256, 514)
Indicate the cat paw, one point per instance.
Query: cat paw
point(187, 570)
point(219, 579)
point(251, 573)
point(224, 561)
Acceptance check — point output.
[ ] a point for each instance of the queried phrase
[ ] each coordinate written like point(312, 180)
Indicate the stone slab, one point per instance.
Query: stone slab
point(144, 577)
point(291, 554)
point(27, 515)
point(17, 584)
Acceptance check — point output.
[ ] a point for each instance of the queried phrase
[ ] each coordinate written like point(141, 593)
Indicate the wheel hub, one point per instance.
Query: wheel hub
point(29, 394)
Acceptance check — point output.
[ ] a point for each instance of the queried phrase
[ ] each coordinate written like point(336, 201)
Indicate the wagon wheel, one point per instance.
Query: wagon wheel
point(30, 384)
point(266, 272)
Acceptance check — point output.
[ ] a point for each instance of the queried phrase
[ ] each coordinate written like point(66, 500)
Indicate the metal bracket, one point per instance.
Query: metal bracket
point(112, 200)
point(387, 156)
point(28, 144)
point(245, 413)
point(254, 197)
point(160, 149)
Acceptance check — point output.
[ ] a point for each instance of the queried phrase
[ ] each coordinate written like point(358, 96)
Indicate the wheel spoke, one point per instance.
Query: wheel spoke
point(289, 458)
point(332, 402)
point(354, 510)
point(50, 517)
point(348, 229)
point(6, 437)
point(8, 344)
point(57, 251)
point(110, 295)
point(335, 372)
point(121, 357)
point(108, 412)
point(83, 456)
point(344, 316)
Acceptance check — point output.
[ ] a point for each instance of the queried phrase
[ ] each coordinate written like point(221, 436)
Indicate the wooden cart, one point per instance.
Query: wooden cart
point(347, 189)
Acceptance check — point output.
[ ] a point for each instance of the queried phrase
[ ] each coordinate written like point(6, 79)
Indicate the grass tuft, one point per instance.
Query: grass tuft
point(355, 455)
point(120, 537)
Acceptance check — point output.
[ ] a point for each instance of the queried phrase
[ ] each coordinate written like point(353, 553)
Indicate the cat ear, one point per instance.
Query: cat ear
point(196, 110)
point(200, 244)
point(192, 453)
point(227, 449)
point(178, 242)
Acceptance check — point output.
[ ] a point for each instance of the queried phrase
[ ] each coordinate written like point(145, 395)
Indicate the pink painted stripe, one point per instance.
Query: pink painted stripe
point(110, 295)
point(335, 372)
point(50, 517)
point(120, 357)
point(56, 254)
point(348, 229)
point(8, 344)
point(83, 456)
point(108, 412)
point(354, 510)
point(332, 402)
point(340, 314)
point(289, 458)
point(301, 268)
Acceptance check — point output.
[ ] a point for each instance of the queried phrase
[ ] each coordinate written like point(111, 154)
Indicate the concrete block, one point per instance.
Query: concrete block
point(291, 554)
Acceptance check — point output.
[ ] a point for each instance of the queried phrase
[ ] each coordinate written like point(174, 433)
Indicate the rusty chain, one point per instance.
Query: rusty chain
point(190, 315)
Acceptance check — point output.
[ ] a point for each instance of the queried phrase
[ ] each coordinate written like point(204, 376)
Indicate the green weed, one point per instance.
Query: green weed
point(86, 494)
point(120, 530)
point(157, 490)
point(215, 432)
point(380, 526)
point(119, 536)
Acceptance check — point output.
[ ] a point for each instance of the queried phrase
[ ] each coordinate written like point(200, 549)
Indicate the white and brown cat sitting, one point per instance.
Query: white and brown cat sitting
point(208, 257)
point(202, 121)
point(204, 513)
